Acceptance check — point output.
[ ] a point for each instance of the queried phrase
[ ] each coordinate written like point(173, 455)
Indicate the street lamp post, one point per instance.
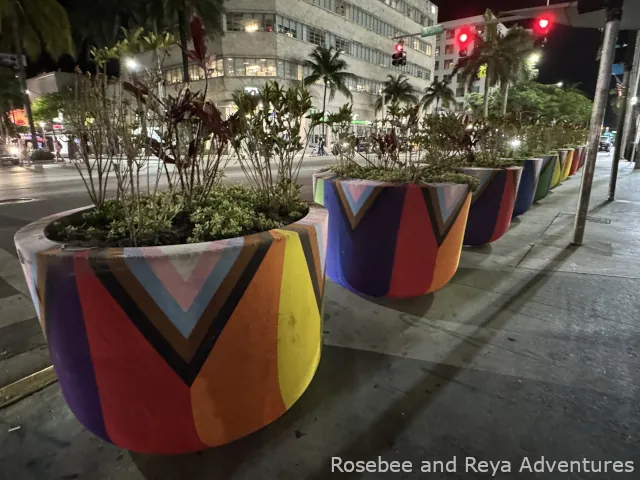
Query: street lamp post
point(611, 29)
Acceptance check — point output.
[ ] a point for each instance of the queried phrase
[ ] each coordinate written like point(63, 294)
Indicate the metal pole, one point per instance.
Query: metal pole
point(635, 143)
point(634, 81)
point(611, 30)
point(619, 146)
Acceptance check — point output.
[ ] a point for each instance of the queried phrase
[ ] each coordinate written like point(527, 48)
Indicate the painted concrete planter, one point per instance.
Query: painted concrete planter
point(492, 204)
point(175, 349)
point(566, 164)
point(531, 169)
point(583, 156)
point(558, 169)
point(393, 240)
point(547, 171)
point(575, 162)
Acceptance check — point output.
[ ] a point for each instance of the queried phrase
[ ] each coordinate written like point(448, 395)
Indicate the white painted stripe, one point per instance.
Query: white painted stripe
point(11, 272)
point(14, 309)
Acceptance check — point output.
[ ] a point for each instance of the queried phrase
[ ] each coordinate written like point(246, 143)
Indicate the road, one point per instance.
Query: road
point(26, 195)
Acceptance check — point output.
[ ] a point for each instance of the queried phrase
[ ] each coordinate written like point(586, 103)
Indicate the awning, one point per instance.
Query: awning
point(567, 14)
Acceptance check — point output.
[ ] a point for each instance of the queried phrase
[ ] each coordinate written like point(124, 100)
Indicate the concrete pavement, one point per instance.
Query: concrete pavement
point(531, 351)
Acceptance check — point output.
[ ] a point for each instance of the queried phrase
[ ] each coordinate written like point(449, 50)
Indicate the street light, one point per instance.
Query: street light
point(131, 64)
point(534, 58)
point(560, 84)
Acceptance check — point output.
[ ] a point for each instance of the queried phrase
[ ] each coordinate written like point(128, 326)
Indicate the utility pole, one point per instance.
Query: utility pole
point(611, 29)
point(619, 145)
point(633, 91)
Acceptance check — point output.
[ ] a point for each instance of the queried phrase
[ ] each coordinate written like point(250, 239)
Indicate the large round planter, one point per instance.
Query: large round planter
point(492, 204)
point(575, 162)
point(531, 169)
point(175, 349)
point(583, 156)
point(549, 165)
point(393, 240)
point(566, 164)
point(558, 169)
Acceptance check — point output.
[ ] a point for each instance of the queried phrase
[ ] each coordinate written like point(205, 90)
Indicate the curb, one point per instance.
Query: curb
point(26, 386)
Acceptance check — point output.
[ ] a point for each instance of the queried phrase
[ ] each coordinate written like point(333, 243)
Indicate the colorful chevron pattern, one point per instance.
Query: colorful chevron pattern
point(531, 169)
point(493, 204)
point(575, 160)
point(547, 172)
point(393, 240)
point(175, 349)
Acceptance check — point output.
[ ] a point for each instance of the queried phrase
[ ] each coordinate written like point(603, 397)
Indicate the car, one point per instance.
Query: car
point(605, 144)
point(9, 153)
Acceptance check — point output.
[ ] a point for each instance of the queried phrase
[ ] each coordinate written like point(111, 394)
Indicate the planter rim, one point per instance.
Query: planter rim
point(380, 183)
point(34, 235)
point(492, 168)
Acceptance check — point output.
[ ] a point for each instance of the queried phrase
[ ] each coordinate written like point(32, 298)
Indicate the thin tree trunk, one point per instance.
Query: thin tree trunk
point(324, 109)
point(485, 105)
point(505, 98)
point(437, 105)
point(22, 74)
point(182, 29)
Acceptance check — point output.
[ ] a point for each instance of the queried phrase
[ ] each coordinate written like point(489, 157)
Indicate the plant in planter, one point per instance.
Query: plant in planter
point(396, 221)
point(489, 159)
point(180, 313)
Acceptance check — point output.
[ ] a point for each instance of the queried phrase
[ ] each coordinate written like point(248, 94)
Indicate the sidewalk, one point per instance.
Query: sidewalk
point(531, 351)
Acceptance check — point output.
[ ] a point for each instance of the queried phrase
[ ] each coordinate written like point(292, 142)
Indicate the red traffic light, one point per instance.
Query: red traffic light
point(543, 24)
point(464, 38)
point(399, 47)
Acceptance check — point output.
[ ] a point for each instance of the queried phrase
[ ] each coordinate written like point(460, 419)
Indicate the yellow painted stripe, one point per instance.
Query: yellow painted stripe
point(299, 323)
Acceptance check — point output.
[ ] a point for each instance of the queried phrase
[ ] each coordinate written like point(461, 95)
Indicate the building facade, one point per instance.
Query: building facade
point(447, 56)
point(270, 39)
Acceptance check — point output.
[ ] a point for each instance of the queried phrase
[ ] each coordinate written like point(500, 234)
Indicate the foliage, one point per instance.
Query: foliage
point(267, 138)
point(47, 107)
point(439, 92)
point(226, 212)
point(345, 139)
point(396, 90)
point(40, 155)
point(327, 66)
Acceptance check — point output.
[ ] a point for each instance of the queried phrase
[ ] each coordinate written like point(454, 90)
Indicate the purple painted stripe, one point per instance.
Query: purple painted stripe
point(484, 212)
point(69, 346)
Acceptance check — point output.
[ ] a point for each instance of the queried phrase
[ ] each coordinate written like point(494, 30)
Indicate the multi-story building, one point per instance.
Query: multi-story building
point(270, 39)
point(447, 56)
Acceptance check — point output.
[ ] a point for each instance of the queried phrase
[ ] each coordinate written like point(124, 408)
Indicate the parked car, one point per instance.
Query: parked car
point(605, 144)
point(10, 154)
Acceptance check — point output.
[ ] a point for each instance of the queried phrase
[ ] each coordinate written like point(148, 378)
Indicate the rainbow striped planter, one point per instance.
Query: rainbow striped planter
point(567, 162)
point(531, 170)
point(575, 162)
point(558, 169)
point(547, 171)
point(583, 156)
point(492, 204)
point(174, 349)
point(393, 240)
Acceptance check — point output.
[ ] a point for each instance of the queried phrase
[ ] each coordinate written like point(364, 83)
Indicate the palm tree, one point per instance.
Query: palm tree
point(396, 90)
point(35, 25)
point(501, 56)
point(517, 45)
point(327, 65)
point(438, 92)
point(164, 15)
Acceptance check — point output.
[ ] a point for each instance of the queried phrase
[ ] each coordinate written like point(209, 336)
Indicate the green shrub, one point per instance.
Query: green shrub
point(40, 154)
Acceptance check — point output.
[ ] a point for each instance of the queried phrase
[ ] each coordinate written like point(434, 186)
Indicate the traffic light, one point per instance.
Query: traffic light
point(541, 27)
point(399, 58)
point(465, 35)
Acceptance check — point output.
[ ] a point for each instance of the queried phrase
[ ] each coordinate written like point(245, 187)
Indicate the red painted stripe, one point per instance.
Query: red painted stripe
point(146, 406)
point(416, 248)
point(506, 206)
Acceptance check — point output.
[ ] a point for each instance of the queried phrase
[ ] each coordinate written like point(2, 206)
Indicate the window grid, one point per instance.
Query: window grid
point(315, 36)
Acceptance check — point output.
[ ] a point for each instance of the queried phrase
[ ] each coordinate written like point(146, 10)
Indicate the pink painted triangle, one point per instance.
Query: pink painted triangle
point(356, 190)
point(184, 276)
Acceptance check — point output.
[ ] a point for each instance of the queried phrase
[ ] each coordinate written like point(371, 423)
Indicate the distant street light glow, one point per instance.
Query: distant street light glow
point(515, 143)
point(131, 64)
point(560, 84)
point(534, 58)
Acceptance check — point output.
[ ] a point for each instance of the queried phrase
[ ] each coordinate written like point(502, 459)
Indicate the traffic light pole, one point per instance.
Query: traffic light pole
point(611, 29)
point(628, 118)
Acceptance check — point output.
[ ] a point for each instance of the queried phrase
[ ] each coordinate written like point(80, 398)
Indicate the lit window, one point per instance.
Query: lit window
point(451, 33)
point(448, 49)
point(448, 64)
